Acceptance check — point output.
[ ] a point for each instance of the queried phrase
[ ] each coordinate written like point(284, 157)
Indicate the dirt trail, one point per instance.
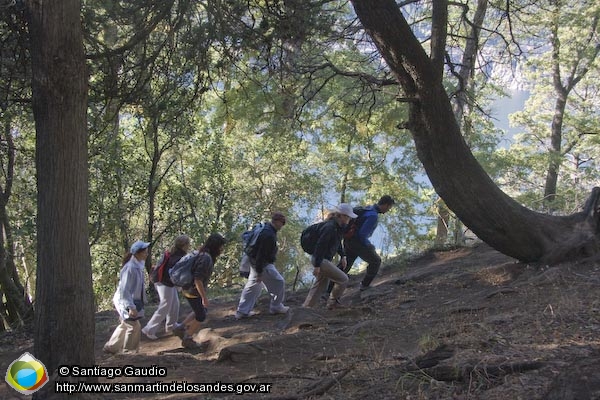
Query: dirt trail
point(469, 323)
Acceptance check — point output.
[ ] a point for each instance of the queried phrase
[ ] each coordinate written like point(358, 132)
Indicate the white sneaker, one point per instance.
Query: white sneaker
point(281, 310)
point(150, 336)
point(240, 315)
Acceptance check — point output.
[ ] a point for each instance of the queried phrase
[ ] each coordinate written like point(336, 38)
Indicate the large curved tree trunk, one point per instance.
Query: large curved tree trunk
point(451, 167)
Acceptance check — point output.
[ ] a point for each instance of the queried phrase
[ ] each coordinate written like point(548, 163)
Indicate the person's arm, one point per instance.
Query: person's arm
point(126, 289)
point(327, 235)
point(264, 252)
point(202, 272)
point(342, 253)
point(200, 288)
point(367, 229)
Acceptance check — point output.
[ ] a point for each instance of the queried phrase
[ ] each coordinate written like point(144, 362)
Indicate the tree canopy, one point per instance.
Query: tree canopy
point(201, 116)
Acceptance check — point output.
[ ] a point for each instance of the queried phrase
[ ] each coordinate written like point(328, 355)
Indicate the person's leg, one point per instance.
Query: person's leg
point(351, 257)
point(173, 310)
point(370, 256)
point(160, 314)
point(275, 285)
point(115, 343)
point(312, 298)
point(338, 277)
point(328, 271)
point(194, 326)
point(133, 331)
point(250, 294)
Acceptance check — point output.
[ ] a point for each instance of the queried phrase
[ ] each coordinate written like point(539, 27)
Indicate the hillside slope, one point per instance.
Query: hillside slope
point(469, 323)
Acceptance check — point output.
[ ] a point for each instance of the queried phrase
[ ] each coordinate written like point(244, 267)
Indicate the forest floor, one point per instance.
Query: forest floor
point(468, 323)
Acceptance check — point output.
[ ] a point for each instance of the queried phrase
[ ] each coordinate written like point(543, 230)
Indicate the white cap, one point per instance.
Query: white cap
point(345, 209)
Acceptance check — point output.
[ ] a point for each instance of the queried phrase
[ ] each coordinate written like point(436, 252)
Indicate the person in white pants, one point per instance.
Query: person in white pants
point(129, 301)
point(167, 312)
point(263, 271)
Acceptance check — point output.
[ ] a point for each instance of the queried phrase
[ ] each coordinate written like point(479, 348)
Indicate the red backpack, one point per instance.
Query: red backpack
point(355, 223)
point(158, 273)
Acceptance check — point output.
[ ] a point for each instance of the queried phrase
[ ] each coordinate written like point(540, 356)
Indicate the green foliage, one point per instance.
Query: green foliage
point(560, 118)
point(206, 119)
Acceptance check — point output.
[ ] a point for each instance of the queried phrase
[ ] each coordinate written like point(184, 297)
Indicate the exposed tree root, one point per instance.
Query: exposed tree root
point(318, 388)
point(465, 372)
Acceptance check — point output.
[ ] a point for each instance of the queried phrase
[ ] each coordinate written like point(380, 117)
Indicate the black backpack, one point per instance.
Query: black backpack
point(355, 224)
point(309, 237)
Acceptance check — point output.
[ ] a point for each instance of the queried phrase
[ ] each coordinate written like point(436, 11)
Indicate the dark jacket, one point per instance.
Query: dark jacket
point(173, 258)
point(202, 270)
point(266, 250)
point(329, 242)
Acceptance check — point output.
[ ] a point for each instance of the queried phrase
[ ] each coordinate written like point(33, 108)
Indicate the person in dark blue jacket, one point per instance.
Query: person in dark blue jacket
point(359, 244)
point(263, 272)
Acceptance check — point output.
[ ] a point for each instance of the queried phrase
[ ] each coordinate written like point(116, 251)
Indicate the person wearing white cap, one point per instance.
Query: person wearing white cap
point(328, 244)
point(129, 301)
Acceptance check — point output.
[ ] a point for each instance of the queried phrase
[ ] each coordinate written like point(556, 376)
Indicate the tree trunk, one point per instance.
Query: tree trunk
point(443, 221)
point(18, 309)
point(451, 167)
point(64, 306)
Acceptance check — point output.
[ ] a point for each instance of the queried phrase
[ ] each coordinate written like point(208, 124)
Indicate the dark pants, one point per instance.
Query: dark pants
point(198, 308)
point(355, 249)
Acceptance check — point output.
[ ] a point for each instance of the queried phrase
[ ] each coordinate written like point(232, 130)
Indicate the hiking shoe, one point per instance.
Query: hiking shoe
point(334, 304)
point(240, 315)
point(280, 310)
point(150, 336)
point(190, 343)
point(179, 330)
point(109, 350)
point(363, 288)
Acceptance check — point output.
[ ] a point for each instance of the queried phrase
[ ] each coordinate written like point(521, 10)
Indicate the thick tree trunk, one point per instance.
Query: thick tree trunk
point(64, 306)
point(451, 167)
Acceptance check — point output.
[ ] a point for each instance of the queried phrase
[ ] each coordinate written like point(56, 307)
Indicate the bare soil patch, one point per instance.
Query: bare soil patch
point(468, 323)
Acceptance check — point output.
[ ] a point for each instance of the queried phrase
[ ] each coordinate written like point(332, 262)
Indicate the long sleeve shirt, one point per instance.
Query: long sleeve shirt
point(131, 287)
point(369, 223)
point(201, 270)
point(329, 242)
point(266, 251)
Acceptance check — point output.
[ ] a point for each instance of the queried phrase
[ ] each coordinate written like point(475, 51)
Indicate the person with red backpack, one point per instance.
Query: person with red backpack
point(168, 307)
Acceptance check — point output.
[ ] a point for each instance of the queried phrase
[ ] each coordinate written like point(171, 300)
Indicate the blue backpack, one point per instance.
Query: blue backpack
point(249, 239)
point(181, 272)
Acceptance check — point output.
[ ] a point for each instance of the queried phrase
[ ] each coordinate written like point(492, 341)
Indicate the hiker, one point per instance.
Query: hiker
point(195, 293)
point(263, 271)
point(168, 307)
point(327, 245)
point(357, 243)
point(129, 301)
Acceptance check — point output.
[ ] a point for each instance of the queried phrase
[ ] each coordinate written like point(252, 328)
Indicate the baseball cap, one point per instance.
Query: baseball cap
point(345, 209)
point(138, 246)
